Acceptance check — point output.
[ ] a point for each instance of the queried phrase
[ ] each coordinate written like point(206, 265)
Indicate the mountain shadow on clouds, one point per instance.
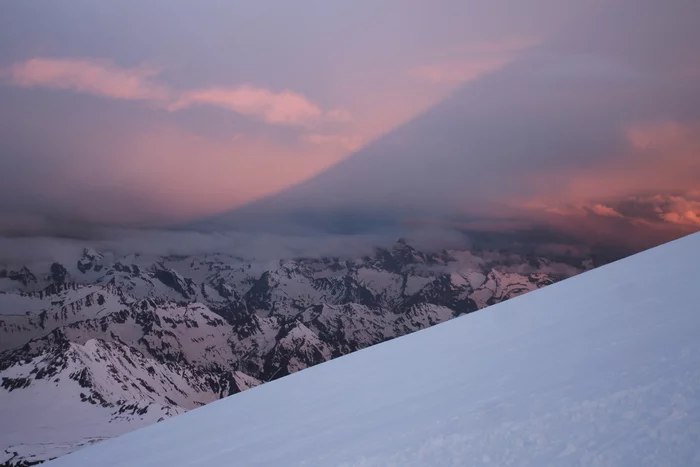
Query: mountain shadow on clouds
point(562, 108)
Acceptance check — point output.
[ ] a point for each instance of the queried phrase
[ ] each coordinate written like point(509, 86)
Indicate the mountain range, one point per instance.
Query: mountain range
point(602, 369)
point(104, 344)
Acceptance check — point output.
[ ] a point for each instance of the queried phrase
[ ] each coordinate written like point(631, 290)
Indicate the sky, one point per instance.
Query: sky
point(576, 116)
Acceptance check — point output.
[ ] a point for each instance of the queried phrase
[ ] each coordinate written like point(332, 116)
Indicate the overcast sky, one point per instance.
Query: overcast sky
point(156, 113)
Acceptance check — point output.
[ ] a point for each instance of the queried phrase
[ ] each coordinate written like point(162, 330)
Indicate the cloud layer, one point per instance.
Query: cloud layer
point(96, 77)
point(105, 79)
point(258, 247)
point(285, 107)
point(538, 117)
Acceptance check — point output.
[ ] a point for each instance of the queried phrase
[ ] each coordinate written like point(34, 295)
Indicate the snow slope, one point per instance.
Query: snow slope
point(600, 369)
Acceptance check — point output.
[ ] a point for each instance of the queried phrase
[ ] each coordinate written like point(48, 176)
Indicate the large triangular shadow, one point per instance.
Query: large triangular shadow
point(559, 108)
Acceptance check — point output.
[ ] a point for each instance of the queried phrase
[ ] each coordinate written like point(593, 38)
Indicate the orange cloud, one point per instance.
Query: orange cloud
point(659, 158)
point(285, 107)
point(687, 217)
point(677, 209)
point(647, 193)
point(641, 220)
point(97, 77)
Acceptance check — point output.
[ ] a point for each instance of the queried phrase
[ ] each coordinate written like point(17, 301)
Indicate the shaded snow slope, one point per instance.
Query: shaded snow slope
point(600, 369)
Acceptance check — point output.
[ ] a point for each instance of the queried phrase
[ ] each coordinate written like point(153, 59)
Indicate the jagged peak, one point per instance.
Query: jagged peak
point(92, 254)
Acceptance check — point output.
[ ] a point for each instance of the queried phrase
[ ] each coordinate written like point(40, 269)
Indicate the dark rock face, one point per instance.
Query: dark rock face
point(21, 463)
point(223, 289)
point(259, 297)
point(84, 267)
point(122, 268)
point(443, 292)
point(348, 290)
point(171, 280)
point(58, 273)
point(87, 262)
point(24, 276)
point(15, 383)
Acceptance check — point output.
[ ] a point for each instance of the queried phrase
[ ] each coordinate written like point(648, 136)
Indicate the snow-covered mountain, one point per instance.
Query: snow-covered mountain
point(602, 369)
point(103, 344)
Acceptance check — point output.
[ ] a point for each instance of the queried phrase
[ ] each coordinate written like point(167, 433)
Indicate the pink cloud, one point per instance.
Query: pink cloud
point(97, 77)
point(642, 220)
point(580, 209)
point(603, 210)
point(687, 217)
point(683, 210)
point(104, 78)
point(285, 107)
point(660, 157)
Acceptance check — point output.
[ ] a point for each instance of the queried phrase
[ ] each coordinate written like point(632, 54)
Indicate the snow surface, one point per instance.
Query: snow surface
point(601, 369)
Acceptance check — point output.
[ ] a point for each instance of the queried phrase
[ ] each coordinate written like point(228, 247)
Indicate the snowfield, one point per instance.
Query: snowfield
point(602, 369)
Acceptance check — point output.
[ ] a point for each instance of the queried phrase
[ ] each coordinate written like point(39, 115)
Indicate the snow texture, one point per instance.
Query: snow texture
point(602, 369)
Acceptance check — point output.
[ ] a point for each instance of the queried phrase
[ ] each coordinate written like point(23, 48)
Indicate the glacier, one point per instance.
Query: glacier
point(600, 369)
